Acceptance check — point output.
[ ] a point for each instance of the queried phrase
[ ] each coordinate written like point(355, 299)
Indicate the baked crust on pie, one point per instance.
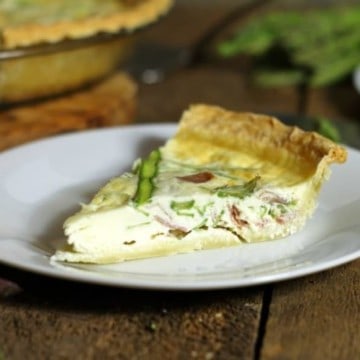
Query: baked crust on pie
point(126, 15)
point(299, 153)
point(40, 54)
point(223, 179)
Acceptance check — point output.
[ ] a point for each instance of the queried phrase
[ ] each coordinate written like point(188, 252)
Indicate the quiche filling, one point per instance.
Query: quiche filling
point(184, 201)
point(177, 200)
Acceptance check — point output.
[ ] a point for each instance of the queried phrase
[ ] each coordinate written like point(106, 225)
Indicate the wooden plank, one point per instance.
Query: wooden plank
point(317, 317)
point(59, 321)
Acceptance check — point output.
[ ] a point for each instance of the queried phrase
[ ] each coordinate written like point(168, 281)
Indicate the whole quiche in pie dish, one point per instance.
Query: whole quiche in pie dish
point(48, 47)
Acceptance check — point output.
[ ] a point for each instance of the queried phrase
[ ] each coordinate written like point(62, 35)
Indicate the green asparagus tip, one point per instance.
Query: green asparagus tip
point(326, 128)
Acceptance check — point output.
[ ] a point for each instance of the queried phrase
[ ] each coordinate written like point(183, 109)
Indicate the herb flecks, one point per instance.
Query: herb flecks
point(232, 231)
point(218, 219)
point(239, 191)
point(182, 205)
point(202, 210)
point(130, 242)
point(138, 225)
point(182, 208)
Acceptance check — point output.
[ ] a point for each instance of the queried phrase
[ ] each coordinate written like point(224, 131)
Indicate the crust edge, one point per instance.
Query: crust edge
point(128, 20)
point(233, 129)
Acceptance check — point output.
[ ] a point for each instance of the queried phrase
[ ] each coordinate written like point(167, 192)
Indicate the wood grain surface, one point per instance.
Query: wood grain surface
point(317, 317)
point(95, 323)
point(314, 318)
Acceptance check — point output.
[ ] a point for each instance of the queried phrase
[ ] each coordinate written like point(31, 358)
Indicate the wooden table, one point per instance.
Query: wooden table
point(314, 317)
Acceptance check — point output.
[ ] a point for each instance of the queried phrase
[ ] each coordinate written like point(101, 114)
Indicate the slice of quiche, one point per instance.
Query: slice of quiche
point(224, 179)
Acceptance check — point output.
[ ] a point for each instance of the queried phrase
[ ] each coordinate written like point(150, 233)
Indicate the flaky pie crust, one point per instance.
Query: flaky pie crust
point(135, 16)
point(268, 139)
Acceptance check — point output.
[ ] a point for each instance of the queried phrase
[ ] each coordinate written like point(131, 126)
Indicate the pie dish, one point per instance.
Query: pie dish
point(25, 23)
point(224, 179)
point(48, 47)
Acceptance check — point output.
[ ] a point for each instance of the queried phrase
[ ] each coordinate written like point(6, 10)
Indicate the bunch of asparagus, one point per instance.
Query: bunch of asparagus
point(316, 48)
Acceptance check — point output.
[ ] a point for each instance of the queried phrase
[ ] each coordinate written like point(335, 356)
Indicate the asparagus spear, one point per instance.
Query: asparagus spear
point(147, 172)
point(323, 43)
point(332, 71)
point(321, 26)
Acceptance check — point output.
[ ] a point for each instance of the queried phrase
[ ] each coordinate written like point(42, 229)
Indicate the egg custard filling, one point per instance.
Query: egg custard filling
point(223, 179)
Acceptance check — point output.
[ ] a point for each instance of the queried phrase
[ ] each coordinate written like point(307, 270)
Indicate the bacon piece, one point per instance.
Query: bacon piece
point(272, 198)
point(197, 178)
point(236, 216)
point(280, 220)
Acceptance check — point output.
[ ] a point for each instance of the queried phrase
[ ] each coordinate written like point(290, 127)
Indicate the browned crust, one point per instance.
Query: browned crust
point(133, 17)
point(261, 135)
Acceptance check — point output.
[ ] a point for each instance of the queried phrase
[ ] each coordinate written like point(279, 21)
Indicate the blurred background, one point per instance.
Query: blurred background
point(306, 46)
point(272, 56)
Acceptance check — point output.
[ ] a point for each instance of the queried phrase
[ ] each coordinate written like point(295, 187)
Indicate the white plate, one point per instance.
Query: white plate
point(43, 182)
